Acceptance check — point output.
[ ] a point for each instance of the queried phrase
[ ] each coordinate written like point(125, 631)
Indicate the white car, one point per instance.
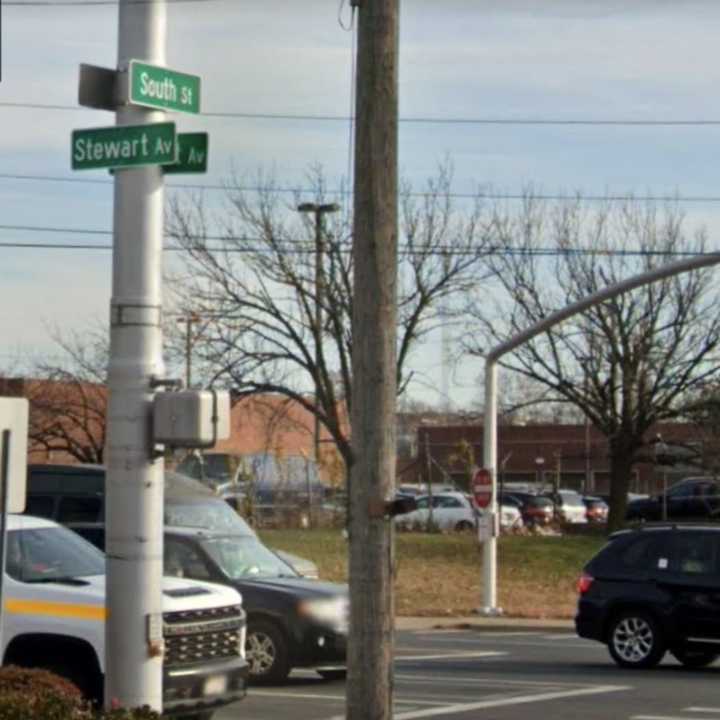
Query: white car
point(569, 507)
point(510, 516)
point(450, 511)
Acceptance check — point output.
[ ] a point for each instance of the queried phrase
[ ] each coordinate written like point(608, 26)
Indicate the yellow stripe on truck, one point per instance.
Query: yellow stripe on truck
point(56, 609)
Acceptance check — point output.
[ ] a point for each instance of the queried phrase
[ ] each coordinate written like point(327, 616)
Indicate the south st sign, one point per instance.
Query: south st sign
point(124, 146)
point(158, 87)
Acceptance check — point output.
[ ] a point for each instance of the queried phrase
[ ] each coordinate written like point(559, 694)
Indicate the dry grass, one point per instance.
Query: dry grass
point(441, 574)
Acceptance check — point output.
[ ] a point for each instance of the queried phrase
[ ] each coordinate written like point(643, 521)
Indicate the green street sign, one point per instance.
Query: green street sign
point(192, 154)
point(158, 87)
point(123, 146)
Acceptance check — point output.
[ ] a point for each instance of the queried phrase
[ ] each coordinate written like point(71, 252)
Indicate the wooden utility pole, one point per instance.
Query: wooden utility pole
point(372, 477)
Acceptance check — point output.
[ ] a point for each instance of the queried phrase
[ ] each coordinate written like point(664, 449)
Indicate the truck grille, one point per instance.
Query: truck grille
point(195, 636)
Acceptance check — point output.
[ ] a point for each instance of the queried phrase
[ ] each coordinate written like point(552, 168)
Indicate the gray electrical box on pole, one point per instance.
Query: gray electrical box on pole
point(134, 492)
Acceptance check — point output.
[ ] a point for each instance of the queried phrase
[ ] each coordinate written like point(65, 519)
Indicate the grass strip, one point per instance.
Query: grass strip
point(440, 574)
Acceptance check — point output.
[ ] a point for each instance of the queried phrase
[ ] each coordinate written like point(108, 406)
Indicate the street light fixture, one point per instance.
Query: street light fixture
point(319, 210)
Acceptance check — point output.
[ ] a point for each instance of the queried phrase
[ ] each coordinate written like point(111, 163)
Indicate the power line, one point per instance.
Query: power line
point(418, 119)
point(468, 196)
point(346, 247)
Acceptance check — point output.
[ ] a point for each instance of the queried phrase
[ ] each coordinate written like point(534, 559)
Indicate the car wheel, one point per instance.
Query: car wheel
point(464, 526)
point(266, 652)
point(696, 658)
point(333, 674)
point(635, 640)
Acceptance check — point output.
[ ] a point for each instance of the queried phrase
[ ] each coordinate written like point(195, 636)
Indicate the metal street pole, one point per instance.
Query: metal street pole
point(492, 357)
point(490, 606)
point(318, 210)
point(188, 321)
point(134, 484)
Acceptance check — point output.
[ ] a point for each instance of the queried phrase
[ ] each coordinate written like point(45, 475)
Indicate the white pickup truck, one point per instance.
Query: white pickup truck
point(54, 618)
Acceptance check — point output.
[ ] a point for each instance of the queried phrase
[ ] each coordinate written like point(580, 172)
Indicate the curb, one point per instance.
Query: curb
point(483, 624)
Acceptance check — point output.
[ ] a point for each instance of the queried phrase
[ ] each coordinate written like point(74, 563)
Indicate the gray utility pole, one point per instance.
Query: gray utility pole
point(374, 330)
point(134, 485)
point(319, 211)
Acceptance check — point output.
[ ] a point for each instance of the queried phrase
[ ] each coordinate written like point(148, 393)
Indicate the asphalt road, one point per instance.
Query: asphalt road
point(504, 675)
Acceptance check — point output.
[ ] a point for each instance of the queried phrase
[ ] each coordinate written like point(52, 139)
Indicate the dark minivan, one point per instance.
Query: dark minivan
point(651, 590)
point(291, 621)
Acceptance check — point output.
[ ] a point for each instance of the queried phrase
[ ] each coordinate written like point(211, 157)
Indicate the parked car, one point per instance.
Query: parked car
point(569, 506)
point(651, 590)
point(454, 511)
point(596, 509)
point(54, 603)
point(291, 621)
point(450, 511)
point(535, 509)
point(510, 515)
point(695, 498)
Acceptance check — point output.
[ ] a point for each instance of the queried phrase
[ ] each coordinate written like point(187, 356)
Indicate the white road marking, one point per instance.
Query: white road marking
point(337, 698)
point(300, 696)
point(533, 640)
point(661, 717)
point(480, 634)
point(703, 710)
point(561, 636)
point(451, 656)
point(501, 702)
point(487, 681)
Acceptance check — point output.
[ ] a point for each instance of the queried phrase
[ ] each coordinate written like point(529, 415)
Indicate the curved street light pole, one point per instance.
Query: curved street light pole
point(489, 606)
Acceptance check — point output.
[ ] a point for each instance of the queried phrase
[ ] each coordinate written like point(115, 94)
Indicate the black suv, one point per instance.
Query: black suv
point(693, 499)
point(654, 589)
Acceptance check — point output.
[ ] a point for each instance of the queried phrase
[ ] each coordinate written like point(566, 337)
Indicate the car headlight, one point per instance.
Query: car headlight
point(331, 612)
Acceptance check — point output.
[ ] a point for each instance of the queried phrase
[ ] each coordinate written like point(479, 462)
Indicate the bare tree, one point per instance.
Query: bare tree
point(255, 283)
point(68, 399)
point(628, 363)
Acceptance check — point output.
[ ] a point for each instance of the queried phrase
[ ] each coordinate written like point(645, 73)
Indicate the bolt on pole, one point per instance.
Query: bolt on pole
point(134, 482)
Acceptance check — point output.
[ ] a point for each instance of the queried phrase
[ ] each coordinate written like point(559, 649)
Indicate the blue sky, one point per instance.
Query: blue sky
point(644, 60)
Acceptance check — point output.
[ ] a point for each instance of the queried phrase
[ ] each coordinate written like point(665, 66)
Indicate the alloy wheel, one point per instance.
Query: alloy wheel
point(260, 652)
point(633, 639)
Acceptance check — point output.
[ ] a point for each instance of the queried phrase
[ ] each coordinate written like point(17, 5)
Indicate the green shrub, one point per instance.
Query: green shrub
point(32, 694)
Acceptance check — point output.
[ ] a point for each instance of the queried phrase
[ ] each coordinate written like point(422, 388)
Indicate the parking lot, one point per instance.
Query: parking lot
point(463, 674)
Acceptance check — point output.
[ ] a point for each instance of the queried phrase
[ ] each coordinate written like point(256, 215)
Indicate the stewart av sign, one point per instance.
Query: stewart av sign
point(124, 146)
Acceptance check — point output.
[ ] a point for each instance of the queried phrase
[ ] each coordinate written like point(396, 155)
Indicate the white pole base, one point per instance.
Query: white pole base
point(488, 611)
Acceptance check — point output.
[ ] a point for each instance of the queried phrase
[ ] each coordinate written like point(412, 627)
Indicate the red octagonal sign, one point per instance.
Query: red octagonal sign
point(482, 487)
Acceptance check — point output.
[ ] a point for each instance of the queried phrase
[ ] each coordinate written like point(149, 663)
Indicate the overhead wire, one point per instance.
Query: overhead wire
point(295, 190)
point(417, 119)
point(295, 248)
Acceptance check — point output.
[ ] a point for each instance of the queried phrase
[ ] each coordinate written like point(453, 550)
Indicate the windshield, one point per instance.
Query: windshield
point(246, 557)
point(44, 554)
point(208, 513)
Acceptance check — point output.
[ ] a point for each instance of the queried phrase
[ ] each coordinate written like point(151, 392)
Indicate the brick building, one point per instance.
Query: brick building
point(574, 456)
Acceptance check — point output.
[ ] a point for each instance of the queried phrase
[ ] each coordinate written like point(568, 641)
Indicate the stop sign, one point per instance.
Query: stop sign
point(482, 487)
